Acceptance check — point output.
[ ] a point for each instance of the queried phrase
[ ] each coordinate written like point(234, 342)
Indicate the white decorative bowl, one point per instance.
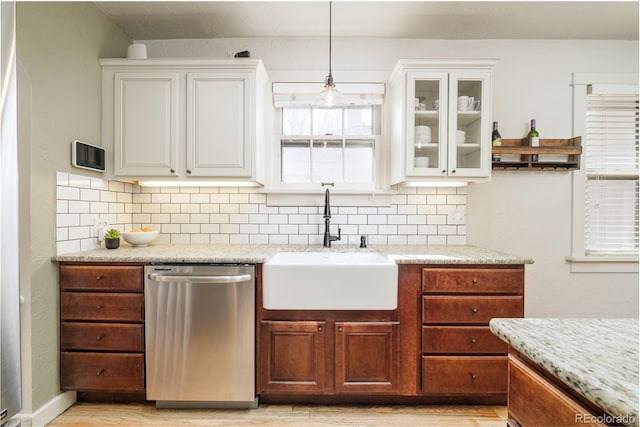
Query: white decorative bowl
point(140, 238)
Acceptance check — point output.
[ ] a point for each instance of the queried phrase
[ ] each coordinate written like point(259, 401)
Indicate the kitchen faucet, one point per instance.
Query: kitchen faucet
point(328, 238)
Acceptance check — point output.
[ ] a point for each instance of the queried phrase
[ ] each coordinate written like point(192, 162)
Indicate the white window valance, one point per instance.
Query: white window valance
point(305, 94)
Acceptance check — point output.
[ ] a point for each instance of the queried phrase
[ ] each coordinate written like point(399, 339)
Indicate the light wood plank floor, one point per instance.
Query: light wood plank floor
point(134, 415)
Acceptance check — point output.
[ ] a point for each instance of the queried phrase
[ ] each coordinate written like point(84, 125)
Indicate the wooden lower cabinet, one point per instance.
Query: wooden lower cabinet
point(459, 354)
point(102, 331)
point(320, 357)
point(535, 401)
point(293, 357)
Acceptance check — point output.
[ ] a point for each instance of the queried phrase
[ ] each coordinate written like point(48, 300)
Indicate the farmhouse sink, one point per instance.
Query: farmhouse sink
point(329, 281)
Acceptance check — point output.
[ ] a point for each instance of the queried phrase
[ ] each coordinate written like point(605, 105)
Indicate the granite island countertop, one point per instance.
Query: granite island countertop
point(238, 253)
point(597, 358)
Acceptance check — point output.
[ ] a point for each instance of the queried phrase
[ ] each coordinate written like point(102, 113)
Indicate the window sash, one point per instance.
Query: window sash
point(611, 178)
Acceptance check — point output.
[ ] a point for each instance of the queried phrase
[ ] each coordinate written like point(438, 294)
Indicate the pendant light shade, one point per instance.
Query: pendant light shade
point(330, 96)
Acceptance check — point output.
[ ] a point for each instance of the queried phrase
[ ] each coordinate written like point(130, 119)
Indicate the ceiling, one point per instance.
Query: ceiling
point(454, 20)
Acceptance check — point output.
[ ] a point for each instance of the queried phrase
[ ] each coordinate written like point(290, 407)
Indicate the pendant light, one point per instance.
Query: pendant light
point(330, 95)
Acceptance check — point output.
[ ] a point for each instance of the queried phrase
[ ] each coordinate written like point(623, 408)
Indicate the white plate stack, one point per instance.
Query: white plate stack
point(423, 135)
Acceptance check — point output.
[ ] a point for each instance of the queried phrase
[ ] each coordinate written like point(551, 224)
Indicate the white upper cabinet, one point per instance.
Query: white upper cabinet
point(438, 120)
point(185, 119)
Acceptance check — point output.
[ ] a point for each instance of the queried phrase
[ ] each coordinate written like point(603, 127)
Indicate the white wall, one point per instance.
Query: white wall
point(528, 213)
point(57, 45)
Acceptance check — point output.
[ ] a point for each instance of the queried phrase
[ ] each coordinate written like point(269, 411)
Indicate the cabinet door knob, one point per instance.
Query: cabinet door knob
point(99, 337)
point(473, 340)
point(188, 170)
point(474, 310)
point(339, 329)
point(172, 170)
point(444, 171)
point(319, 328)
point(453, 171)
point(99, 372)
point(473, 376)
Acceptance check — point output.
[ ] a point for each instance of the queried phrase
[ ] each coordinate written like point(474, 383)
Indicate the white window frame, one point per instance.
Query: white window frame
point(292, 94)
point(579, 261)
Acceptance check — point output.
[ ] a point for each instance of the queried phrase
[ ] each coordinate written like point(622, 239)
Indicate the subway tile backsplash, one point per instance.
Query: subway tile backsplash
point(241, 215)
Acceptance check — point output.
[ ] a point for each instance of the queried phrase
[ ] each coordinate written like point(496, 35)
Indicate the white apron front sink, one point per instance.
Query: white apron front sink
point(329, 281)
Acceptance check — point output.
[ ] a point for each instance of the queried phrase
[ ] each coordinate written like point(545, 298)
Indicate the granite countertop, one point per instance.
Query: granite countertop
point(254, 254)
point(597, 358)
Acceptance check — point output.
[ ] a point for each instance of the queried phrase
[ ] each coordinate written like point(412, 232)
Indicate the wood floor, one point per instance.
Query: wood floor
point(90, 414)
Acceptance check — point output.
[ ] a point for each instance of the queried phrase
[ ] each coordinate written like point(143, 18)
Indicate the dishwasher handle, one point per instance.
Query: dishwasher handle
point(199, 279)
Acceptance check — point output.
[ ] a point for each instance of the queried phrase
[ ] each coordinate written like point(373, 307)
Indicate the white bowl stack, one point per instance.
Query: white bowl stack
point(423, 134)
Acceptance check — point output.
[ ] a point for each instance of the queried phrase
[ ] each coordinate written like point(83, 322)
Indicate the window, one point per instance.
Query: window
point(327, 145)
point(605, 229)
point(611, 179)
point(315, 144)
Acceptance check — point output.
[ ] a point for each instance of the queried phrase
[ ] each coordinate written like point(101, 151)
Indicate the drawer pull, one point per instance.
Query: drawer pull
point(474, 281)
point(473, 341)
point(473, 376)
point(319, 328)
point(99, 337)
point(339, 329)
point(99, 307)
point(474, 310)
point(99, 372)
point(99, 277)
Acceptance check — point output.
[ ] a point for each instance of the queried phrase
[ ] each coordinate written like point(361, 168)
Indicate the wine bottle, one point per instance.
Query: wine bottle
point(496, 141)
point(534, 139)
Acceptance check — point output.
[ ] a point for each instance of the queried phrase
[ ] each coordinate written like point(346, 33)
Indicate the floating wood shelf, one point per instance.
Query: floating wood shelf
point(570, 147)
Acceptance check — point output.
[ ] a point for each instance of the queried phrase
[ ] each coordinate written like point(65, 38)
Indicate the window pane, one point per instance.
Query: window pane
point(296, 121)
point(611, 216)
point(327, 121)
point(327, 161)
point(358, 161)
point(296, 161)
point(358, 121)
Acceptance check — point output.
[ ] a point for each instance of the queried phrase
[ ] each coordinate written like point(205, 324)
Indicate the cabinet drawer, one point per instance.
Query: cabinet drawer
point(469, 309)
point(102, 371)
point(102, 336)
point(101, 278)
point(464, 374)
point(461, 339)
point(534, 401)
point(108, 307)
point(470, 280)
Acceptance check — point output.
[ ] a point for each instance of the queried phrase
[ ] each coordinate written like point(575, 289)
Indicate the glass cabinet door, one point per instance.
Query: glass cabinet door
point(469, 132)
point(426, 108)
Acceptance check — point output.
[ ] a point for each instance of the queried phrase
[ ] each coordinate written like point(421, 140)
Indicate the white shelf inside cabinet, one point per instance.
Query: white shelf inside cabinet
point(467, 148)
point(430, 146)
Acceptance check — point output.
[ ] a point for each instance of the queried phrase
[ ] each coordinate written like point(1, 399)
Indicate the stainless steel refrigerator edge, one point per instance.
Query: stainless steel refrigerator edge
point(10, 387)
point(200, 335)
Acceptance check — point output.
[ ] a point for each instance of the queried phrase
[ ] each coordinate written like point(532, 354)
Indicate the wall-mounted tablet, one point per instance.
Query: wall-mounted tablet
point(87, 156)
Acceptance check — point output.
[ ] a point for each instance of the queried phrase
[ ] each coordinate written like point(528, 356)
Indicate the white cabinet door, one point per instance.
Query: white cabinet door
point(145, 124)
point(469, 131)
point(219, 117)
point(427, 130)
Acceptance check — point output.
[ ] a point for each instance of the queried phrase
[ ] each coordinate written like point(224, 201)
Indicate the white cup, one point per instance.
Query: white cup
point(422, 162)
point(465, 103)
point(460, 137)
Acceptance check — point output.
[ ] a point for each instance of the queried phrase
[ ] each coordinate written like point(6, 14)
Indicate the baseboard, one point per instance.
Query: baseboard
point(49, 411)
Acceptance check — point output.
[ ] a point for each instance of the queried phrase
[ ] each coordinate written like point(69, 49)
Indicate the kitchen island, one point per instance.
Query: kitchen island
point(594, 361)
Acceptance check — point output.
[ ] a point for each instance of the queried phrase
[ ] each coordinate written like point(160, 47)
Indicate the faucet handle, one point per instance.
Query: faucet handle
point(363, 241)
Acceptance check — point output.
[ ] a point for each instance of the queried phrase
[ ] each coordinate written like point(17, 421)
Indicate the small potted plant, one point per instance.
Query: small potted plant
point(112, 239)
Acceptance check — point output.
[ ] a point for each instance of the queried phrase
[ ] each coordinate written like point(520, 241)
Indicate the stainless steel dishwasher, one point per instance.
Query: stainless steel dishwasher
point(200, 335)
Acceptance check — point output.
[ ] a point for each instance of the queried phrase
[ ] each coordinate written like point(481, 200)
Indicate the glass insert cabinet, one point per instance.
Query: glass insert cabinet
point(440, 124)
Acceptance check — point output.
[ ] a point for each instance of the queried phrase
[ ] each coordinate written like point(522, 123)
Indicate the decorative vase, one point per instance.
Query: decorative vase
point(111, 243)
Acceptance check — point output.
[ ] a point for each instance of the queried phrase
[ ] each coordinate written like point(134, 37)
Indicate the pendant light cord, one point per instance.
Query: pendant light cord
point(330, 39)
